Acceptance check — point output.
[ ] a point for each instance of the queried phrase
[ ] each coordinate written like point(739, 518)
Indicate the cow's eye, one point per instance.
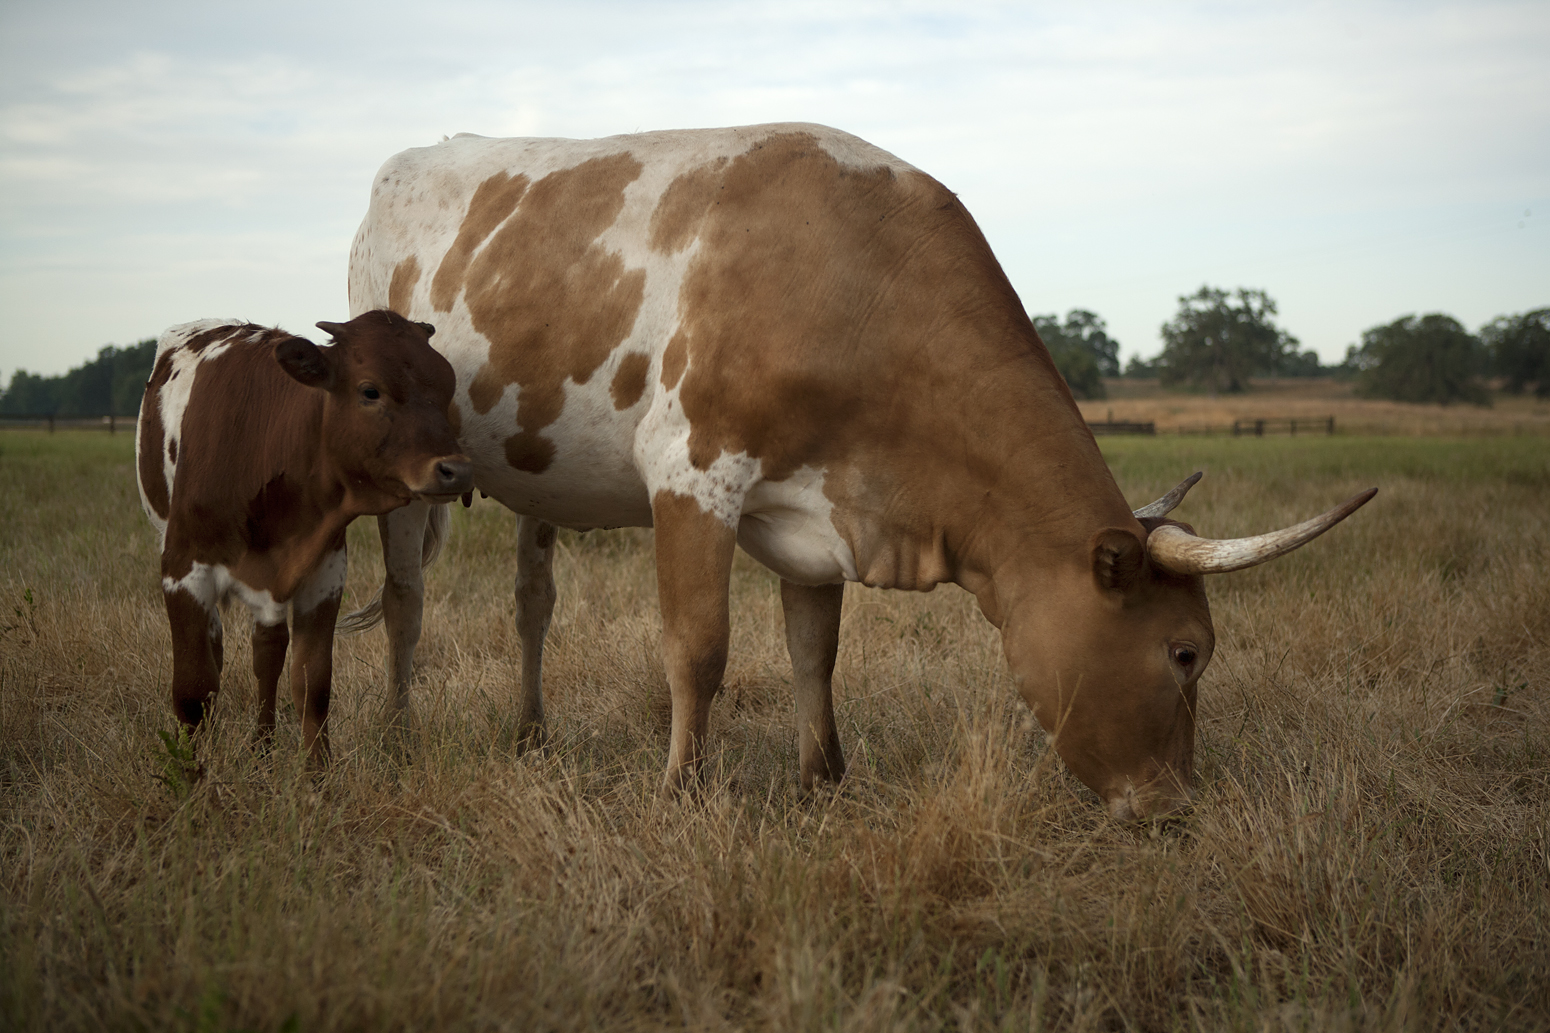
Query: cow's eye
point(1184, 656)
point(370, 393)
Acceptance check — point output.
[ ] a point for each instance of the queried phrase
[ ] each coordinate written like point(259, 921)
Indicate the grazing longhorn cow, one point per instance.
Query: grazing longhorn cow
point(256, 449)
point(783, 337)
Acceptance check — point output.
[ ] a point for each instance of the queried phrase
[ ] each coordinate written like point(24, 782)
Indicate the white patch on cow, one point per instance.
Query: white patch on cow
point(212, 583)
point(324, 583)
point(787, 526)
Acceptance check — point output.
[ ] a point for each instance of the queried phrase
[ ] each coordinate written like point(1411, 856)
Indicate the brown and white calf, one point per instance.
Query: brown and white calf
point(256, 449)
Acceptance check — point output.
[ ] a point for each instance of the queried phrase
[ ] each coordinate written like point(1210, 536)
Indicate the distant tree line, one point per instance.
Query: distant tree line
point(113, 383)
point(1217, 341)
point(1220, 339)
point(1433, 358)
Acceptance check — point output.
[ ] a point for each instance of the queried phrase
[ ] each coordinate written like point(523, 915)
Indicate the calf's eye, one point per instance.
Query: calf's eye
point(1184, 656)
point(370, 393)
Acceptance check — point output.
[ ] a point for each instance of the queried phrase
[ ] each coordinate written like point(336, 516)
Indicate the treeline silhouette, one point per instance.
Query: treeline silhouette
point(110, 384)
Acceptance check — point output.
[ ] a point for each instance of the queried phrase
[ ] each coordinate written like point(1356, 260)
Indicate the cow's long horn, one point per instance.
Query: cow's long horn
point(1175, 549)
point(332, 329)
point(1167, 504)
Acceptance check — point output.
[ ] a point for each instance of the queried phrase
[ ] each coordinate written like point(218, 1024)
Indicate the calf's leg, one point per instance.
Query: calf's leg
point(813, 640)
point(694, 568)
point(269, 644)
point(195, 621)
point(535, 606)
point(314, 608)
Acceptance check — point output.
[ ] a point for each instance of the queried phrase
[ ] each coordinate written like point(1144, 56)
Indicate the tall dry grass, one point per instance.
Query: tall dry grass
point(1370, 850)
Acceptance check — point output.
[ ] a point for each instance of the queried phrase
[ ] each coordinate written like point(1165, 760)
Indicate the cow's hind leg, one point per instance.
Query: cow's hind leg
point(535, 606)
point(813, 640)
point(270, 641)
point(195, 621)
point(314, 609)
point(403, 600)
point(694, 567)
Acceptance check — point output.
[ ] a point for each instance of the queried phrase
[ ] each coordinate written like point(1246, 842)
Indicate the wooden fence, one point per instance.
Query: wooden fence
point(108, 422)
point(1284, 425)
point(1257, 427)
point(1122, 427)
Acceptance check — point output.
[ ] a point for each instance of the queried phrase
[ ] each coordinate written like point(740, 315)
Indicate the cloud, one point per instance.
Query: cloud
point(164, 158)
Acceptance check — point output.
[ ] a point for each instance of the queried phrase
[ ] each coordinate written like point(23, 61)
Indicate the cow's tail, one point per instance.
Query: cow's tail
point(370, 615)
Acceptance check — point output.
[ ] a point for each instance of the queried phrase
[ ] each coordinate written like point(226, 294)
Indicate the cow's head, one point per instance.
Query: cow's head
point(385, 430)
point(1109, 656)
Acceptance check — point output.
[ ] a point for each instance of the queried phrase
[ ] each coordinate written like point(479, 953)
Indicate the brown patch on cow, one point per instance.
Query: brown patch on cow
point(199, 342)
point(529, 452)
point(552, 302)
point(153, 477)
point(855, 320)
point(676, 220)
point(493, 201)
point(405, 275)
point(630, 380)
point(172, 450)
point(674, 358)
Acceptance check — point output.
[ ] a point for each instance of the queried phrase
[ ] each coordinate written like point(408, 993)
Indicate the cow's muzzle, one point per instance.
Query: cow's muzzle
point(446, 478)
point(1151, 802)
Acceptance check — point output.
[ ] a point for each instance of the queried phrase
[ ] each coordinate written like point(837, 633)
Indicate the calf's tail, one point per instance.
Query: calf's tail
point(370, 615)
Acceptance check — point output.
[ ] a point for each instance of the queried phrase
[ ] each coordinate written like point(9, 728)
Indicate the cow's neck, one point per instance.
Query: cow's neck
point(1014, 511)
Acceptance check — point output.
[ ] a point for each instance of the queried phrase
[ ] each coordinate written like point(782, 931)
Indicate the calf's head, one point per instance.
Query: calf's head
point(1109, 656)
point(385, 430)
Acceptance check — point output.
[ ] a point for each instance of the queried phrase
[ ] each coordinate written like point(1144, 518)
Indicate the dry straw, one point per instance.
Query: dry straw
point(1370, 850)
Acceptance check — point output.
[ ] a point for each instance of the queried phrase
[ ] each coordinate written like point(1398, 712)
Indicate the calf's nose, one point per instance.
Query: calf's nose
point(453, 475)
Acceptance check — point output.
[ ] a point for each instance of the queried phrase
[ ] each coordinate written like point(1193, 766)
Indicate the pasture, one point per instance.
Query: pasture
point(1371, 848)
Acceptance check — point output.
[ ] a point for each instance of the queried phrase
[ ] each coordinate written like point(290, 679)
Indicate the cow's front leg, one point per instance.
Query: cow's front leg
point(403, 600)
point(195, 620)
point(535, 606)
point(314, 608)
point(813, 640)
point(694, 568)
point(269, 644)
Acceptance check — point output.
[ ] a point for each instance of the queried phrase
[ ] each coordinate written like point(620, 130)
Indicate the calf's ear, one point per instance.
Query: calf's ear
point(430, 331)
point(306, 362)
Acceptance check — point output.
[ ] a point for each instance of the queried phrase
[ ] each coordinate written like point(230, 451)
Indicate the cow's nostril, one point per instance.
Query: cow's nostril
point(453, 476)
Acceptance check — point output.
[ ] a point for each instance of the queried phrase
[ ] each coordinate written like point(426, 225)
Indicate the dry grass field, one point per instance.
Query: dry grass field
point(1312, 398)
point(1371, 850)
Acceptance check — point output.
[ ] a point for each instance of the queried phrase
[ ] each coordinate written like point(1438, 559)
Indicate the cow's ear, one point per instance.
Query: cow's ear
point(430, 331)
point(306, 362)
point(1118, 556)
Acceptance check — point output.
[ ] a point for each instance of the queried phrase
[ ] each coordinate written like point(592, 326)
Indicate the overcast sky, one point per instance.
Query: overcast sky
point(166, 161)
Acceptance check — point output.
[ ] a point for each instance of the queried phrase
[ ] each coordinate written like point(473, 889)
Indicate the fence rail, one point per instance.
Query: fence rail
point(1257, 427)
point(1283, 425)
point(1122, 427)
point(109, 422)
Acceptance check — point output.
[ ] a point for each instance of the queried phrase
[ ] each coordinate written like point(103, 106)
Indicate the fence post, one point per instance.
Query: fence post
point(1331, 430)
point(1259, 428)
point(51, 423)
point(112, 423)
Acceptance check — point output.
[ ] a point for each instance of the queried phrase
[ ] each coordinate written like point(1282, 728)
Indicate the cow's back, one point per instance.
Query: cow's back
point(771, 319)
point(180, 351)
